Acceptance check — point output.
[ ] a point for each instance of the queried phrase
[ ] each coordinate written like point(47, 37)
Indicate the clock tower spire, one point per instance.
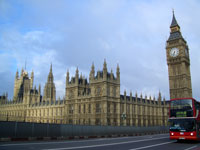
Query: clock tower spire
point(178, 62)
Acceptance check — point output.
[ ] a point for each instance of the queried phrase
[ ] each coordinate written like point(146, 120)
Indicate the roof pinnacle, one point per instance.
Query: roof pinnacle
point(51, 68)
point(174, 22)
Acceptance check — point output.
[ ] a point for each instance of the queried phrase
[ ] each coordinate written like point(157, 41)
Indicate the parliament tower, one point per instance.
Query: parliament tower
point(178, 61)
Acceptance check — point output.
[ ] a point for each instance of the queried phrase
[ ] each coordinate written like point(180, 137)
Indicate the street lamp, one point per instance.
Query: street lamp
point(123, 116)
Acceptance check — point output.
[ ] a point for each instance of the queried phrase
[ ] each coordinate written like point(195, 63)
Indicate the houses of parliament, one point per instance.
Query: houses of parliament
point(98, 101)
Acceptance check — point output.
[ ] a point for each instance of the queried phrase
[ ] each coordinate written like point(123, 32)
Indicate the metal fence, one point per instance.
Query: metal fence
point(25, 130)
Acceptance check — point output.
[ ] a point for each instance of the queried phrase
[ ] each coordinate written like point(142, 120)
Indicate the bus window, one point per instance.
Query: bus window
point(181, 108)
point(197, 105)
point(182, 125)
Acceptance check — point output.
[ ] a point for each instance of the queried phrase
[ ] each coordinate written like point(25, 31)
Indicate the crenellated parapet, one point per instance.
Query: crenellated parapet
point(77, 80)
point(103, 83)
point(4, 98)
point(76, 86)
point(104, 75)
point(96, 101)
point(47, 103)
point(143, 100)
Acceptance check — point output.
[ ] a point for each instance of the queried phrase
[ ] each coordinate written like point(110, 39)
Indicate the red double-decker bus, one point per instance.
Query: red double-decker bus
point(184, 119)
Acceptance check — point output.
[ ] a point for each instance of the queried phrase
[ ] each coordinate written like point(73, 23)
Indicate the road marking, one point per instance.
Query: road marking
point(190, 147)
point(100, 139)
point(102, 145)
point(44, 143)
point(151, 146)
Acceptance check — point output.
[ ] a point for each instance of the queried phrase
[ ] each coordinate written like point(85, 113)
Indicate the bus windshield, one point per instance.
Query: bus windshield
point(181, 108)
point(182, 125)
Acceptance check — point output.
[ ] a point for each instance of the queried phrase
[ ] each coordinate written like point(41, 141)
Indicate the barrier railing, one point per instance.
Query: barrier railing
point(40, 130)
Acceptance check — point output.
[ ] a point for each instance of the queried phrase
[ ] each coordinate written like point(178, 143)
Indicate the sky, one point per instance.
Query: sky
point(77, 33)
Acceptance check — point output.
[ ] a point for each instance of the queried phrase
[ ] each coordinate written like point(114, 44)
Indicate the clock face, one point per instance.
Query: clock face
point(174, 52)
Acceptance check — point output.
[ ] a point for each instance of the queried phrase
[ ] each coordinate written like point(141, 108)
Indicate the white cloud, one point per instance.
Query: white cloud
point(71, 35)
point(60, 87)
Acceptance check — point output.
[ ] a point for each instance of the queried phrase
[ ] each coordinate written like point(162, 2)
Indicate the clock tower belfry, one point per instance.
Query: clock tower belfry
point(178, 62)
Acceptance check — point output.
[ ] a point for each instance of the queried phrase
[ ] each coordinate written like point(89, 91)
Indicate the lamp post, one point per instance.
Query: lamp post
point(123, 116)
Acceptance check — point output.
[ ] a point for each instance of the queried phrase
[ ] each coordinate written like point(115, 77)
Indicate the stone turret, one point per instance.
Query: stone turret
point(136, 97)
point(50, 89)
point(22, 85)
point(145, 99)
point(22, 71)
point(32, 79)
point(105, 70)
point(150, 97)
point(154, 100)
point(50, 76)
point(159, 98)
point(39, 93)
point(17, 74)
point(131, 95)
point(118, 73)
point(77, 76)
point(92, 72)
point(67, 77)
point(141, 98)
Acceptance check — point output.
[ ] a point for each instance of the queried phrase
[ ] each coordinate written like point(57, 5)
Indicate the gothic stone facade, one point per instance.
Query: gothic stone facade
point(178, 61)
point(97, 102)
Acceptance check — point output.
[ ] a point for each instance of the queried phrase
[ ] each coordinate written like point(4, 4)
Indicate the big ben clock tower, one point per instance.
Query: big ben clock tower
point(178, 62)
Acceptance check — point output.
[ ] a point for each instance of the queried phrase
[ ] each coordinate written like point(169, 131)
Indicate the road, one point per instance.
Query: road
point(150, 142)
